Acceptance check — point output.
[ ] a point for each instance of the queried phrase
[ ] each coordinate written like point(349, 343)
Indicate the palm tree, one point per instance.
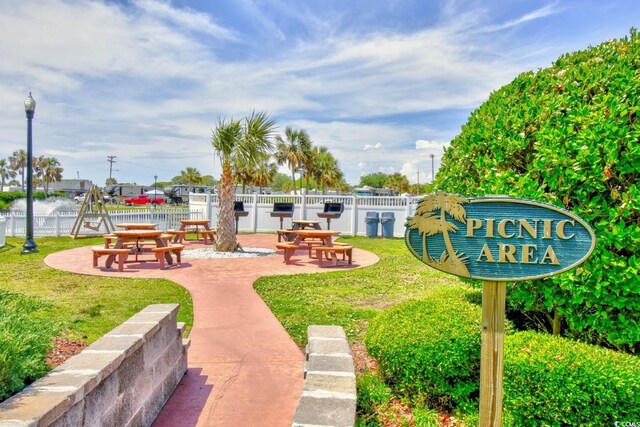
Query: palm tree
point(6, 172)
point(291, 150)
point(325, 169)
point(191, 176)
point(264, 174)
point(17, 162)
point(397, 182)
point(428, 224)
point(235, 142)
point(51, 172)
point(243, 174)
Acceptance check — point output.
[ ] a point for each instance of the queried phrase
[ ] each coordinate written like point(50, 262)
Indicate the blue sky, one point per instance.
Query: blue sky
point(382, 84)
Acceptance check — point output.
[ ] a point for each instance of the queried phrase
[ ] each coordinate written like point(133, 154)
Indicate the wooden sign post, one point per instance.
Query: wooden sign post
point(496, 240)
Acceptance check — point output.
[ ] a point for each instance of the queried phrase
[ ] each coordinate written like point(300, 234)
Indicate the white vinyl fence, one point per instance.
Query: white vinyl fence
point(60, 223)
point(351, 222)
point(203, 206)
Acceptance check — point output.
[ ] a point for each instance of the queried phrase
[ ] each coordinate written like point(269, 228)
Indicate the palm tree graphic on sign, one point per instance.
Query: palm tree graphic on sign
point(430, 219)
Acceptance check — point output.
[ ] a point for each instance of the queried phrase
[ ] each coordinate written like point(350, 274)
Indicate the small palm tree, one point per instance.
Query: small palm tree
point(235, 142)
point(6, 172)
point(264, 174)
point(191, 176)
point(51, 172)
point(291, 150)
point(18, 162)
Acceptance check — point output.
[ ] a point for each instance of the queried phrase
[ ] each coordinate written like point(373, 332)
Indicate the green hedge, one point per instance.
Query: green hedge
point(430, 348)
point(24, 342)
point(557, 382)
point(568, 135)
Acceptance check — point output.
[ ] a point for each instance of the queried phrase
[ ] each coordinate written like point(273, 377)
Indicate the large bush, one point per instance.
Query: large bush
point(24, 342)
point(430, 348)
point(568, 135)
point(556, 382)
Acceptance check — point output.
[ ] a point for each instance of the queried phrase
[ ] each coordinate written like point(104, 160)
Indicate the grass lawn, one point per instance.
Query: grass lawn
point(83, 307)
point(351, 298)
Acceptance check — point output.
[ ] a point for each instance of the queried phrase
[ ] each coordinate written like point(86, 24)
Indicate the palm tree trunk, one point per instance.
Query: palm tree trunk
point(447, 240)
point(293, 178)
point(226, 219)
point(425, 255)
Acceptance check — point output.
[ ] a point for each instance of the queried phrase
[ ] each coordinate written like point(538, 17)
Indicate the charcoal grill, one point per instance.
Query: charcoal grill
point(331, 210)
point(282, 210)
point(238, 211)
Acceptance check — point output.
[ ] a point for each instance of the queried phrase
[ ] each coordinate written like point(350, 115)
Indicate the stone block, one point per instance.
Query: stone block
point(328, 346)
point(330, 383)
point(325, 412)
point(325, 363)
point(102, 398)
point(325, 331)
point(144, 330)
point(157, 344)
point(105, 362)
point(125, 343)
point(33, 404)
point(130, 369)
point(71, 418)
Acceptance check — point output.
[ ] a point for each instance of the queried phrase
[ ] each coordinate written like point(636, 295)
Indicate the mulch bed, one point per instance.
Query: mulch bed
point(63, 349)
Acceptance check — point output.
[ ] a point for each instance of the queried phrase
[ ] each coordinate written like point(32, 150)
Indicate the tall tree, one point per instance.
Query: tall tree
point(290, 150)
point(17, 162)
point(375, 180)
point(190, 176)
point(398, 182)
point(6, 172)
point(50, 172)
point(234, 142)
point(325, 169)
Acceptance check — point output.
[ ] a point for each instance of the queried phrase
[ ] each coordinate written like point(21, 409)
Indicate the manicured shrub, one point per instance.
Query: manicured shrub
point(430, 348)
point(24, 342)
point(558, 382)
point(568, 135)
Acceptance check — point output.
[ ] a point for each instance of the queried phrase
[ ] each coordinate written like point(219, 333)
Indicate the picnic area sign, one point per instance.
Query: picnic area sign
point(496, 239)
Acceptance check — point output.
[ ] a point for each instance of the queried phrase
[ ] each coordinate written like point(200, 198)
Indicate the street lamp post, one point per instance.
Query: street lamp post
point(155, 181)
point(29, 245)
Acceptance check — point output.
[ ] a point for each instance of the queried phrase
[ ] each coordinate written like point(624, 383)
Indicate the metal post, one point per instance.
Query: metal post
point(29, 245)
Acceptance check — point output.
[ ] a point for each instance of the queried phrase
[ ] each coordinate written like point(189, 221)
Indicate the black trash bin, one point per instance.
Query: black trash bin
point(388, 221)
point(371, 220)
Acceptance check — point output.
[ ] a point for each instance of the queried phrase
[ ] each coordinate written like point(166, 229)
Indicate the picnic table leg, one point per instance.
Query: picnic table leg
point(167, 255)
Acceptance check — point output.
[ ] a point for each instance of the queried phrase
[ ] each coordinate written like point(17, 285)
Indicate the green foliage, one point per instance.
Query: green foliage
point(25, 340)
point(373, 395)
point(557, 382)
point(375, 180)
point(430, 348)
point(568, 135)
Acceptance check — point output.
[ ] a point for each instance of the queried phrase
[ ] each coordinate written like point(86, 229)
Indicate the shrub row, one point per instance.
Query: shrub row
point(430, 348)
point(24, 342)
point(430, 351)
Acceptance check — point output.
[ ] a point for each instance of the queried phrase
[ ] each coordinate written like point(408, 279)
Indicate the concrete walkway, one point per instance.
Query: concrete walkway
point(244, 369)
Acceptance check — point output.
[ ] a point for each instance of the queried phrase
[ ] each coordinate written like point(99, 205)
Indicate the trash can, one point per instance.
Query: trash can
point(372, 219)
point(388, 220)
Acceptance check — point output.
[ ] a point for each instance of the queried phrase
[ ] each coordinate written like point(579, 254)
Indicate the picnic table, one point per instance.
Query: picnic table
point(129, 236)
point(137, 226)
point(299, 224)
point(195, 224)
point(324, 242)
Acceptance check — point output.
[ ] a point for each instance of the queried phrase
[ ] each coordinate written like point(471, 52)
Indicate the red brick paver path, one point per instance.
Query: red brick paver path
point(244, 369)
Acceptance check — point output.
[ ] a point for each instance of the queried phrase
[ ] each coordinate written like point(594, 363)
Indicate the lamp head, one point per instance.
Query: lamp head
point(29, 104)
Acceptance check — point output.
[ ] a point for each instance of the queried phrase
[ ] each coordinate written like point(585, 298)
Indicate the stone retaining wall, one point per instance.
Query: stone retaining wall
point(122, 379)
point(329, 393)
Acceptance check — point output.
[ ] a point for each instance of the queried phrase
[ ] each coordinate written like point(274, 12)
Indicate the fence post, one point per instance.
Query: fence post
point(255, 213)
point(56, 223)
point(354, 215)
point(303, 208)
point(12, 223)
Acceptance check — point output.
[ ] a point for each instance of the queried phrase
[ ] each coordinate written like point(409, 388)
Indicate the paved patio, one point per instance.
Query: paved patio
point(244, 369)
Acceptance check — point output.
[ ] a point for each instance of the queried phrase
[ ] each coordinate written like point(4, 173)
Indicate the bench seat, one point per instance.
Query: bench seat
point(289, 250)
point(174, 249)
point(99, 251)
point(326, 251)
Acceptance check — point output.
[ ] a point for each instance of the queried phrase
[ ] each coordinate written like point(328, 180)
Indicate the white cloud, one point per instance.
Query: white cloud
point(368, 147)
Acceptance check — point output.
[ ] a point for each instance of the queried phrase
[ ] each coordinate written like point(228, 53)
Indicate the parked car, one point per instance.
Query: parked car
point(79, 199)
point(143, 199)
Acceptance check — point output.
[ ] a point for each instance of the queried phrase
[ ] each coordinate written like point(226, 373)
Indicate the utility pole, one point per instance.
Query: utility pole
point(111, 162)
point(418, 177)
point(433, 169)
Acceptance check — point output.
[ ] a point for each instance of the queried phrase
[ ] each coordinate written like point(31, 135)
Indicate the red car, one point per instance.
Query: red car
point(143, 199)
